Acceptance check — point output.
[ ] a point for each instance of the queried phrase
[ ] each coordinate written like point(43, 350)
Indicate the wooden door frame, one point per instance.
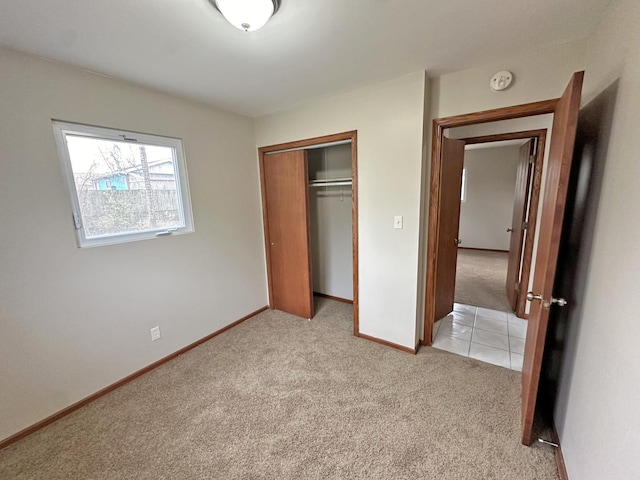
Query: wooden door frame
point(532, 211)
point(351, 136)
point(433, 233)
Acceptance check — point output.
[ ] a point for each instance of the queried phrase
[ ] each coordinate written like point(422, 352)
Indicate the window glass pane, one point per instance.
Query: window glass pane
point(124, 187)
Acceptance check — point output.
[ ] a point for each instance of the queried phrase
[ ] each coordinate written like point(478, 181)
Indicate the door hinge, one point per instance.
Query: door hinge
point(532, 159)
point(525, 225)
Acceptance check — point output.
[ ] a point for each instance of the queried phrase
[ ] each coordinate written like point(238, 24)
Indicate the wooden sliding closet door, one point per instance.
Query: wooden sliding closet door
point(286, 195)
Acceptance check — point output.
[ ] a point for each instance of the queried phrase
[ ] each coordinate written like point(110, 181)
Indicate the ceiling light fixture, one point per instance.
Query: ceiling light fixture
point(247, 15)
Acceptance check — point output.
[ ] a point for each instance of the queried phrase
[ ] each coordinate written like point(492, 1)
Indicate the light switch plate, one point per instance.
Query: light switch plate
point(397, 221)
point(155, 334)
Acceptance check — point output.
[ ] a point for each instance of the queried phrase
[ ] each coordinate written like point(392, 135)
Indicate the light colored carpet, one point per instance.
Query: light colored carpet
point(278, 397)
point(481, 277)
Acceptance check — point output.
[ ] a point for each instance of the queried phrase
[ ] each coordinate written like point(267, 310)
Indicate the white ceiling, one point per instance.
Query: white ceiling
point(309, 49)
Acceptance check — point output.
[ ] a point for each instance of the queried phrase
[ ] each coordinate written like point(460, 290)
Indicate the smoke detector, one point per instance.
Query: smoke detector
point(501, 81)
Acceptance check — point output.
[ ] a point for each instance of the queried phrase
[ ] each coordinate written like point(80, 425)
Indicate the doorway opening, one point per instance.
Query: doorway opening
point(310, 217)
point(499, 196)
point(518, 171)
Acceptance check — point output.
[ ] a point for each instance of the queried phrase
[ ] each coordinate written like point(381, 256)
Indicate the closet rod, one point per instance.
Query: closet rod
point(329, 184)
point(328, 180)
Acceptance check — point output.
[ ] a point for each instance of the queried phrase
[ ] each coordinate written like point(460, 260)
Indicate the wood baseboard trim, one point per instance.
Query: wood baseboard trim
point(483, 249)
point(402, 348)
point(81, 403)
point(331, 297)
point(562, 468)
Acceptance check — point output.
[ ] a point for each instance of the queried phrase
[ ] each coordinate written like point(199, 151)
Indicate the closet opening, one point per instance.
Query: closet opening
point(309, 197)
point(330, 193)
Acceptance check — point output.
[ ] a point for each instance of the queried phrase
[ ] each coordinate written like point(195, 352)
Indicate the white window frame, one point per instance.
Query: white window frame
point(61, 129)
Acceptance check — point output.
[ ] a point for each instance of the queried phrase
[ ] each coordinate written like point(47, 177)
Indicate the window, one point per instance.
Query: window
point(124, 186)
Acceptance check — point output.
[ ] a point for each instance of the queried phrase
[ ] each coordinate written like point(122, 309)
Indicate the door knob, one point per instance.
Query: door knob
point(531, 297)
point(509, 229)
point(561, 302)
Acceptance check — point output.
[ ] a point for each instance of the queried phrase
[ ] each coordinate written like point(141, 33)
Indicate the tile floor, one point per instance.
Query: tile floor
point(487, 335)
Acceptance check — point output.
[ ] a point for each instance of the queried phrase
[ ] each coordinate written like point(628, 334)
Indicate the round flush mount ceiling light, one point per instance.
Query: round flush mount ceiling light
point(247, 15)
point(501, 81)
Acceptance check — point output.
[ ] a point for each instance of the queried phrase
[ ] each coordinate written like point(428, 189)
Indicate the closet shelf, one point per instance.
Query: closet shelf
point(332, 182)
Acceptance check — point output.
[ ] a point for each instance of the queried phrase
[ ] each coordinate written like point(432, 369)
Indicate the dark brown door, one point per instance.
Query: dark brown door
point(287, 228)
point(520, 207)
point(563, 134)
point(449, 221)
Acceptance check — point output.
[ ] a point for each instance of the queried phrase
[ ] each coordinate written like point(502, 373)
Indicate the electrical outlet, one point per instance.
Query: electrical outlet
point(155, 334)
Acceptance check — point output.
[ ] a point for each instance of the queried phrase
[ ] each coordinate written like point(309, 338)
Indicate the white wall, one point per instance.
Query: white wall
point(73, 321)
point(597, 412)
point(330, 222)
point(388, 118)
point(487, 210)
point(424, 210)
point(539, 76)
